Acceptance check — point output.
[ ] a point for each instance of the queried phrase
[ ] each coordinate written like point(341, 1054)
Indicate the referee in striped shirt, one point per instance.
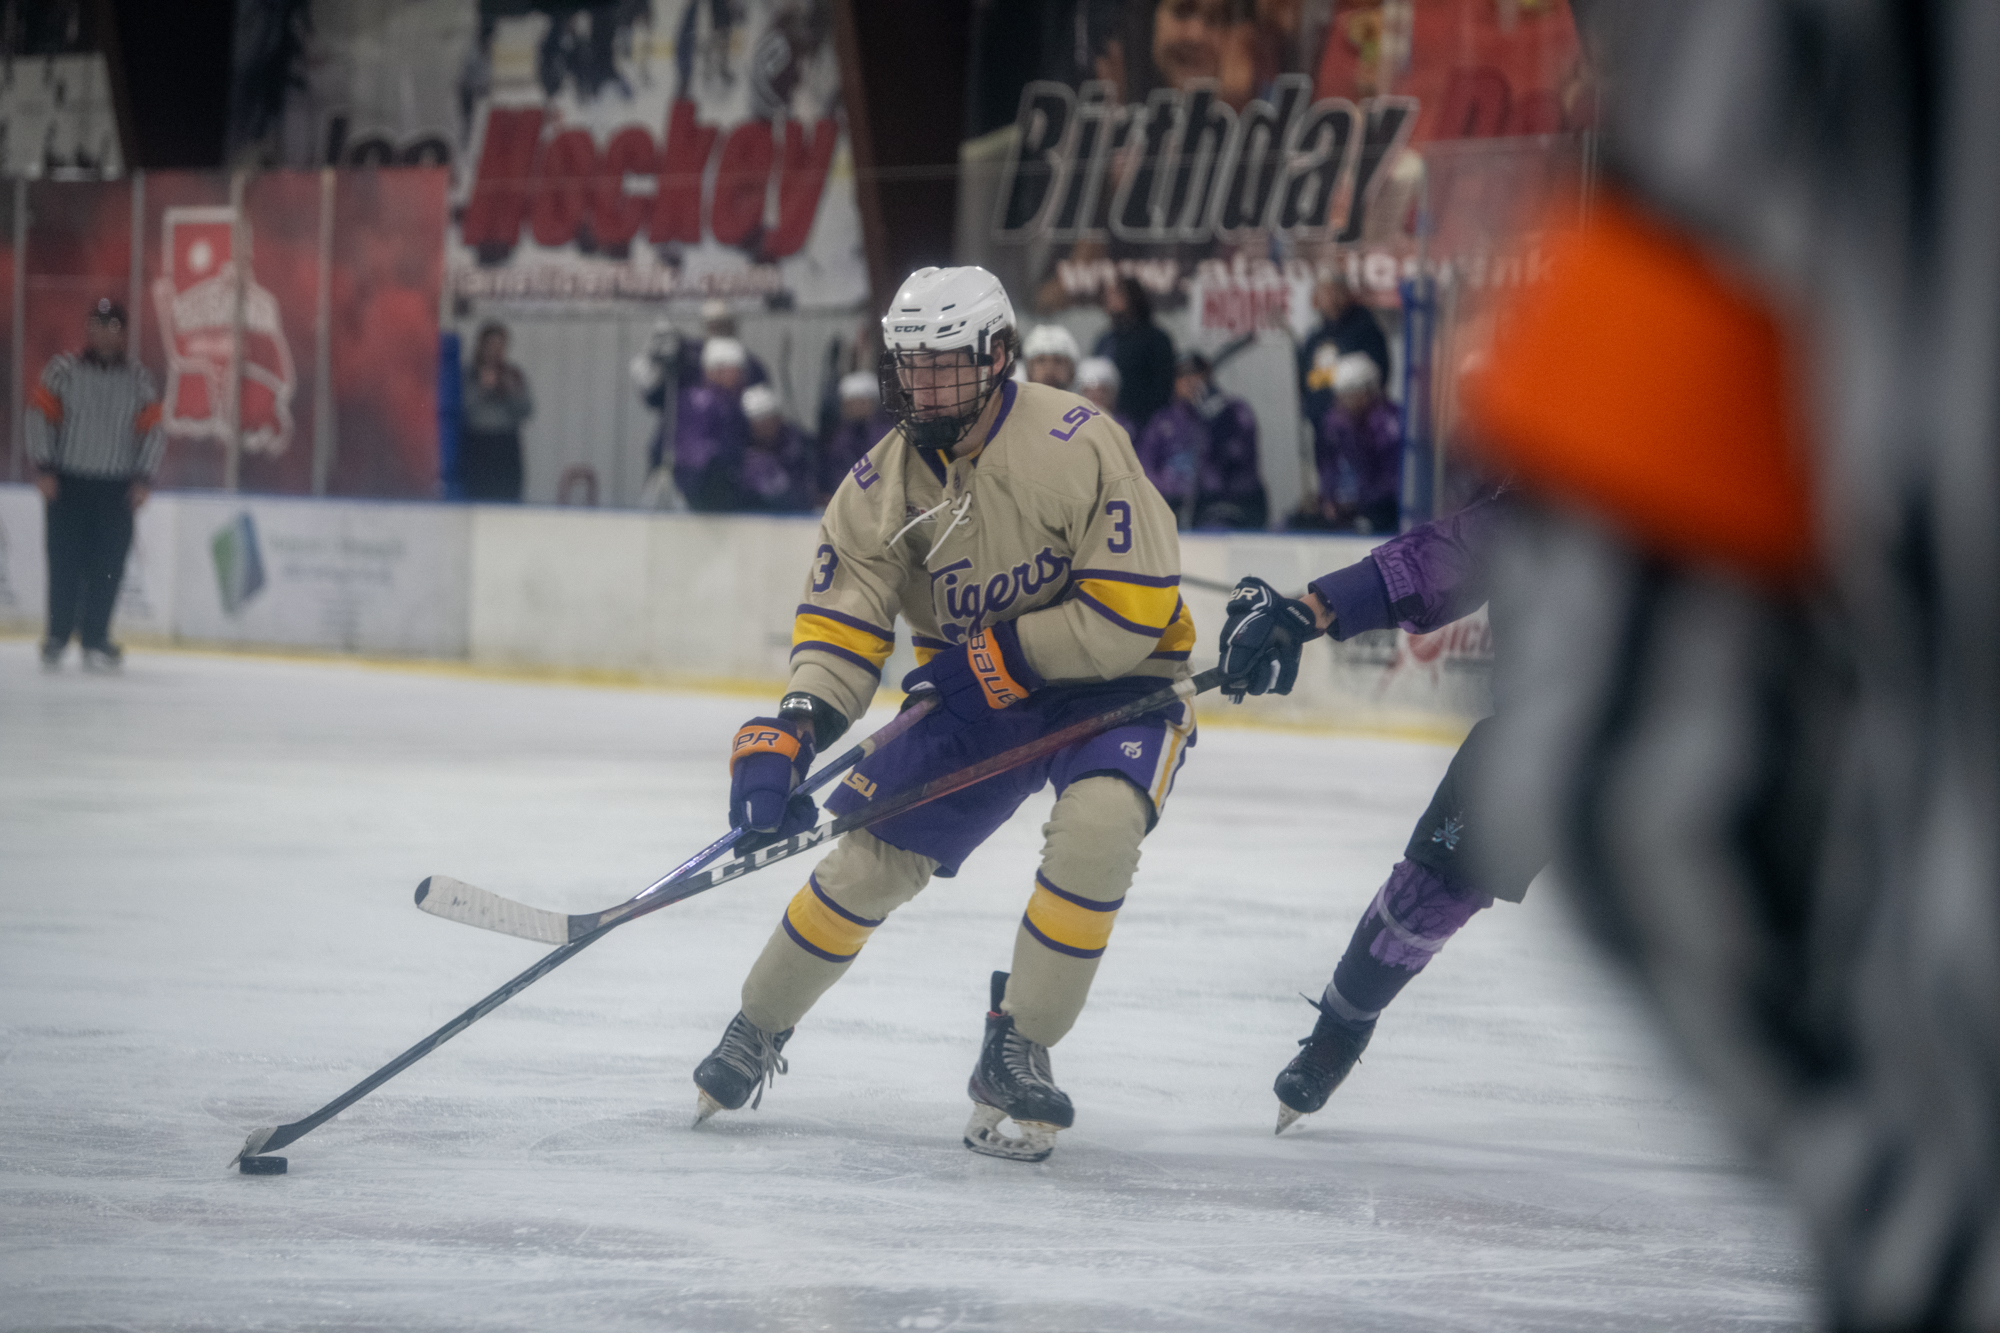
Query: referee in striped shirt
point(94, 436)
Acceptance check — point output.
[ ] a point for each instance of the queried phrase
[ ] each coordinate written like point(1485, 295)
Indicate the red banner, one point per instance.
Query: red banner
point(228, 313)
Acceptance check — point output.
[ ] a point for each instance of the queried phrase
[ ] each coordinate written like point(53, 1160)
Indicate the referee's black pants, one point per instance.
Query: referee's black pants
point(89, 534)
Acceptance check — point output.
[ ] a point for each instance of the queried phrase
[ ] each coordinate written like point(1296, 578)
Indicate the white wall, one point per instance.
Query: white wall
point(682, 597)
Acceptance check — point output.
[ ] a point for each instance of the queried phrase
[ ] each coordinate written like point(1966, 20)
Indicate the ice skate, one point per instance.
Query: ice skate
point(52, 655)
point(747, 1060)
point(1324, 1061)
point(104, 660)
point(1013, 1081)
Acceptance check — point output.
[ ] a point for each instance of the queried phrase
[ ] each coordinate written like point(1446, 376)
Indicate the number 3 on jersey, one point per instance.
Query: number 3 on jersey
point(1120, 514)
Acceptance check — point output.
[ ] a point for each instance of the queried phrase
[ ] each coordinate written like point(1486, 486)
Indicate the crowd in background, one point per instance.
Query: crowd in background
point(724, 443)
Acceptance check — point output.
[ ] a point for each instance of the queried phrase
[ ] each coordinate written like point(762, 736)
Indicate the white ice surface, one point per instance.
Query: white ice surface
point(206, 926)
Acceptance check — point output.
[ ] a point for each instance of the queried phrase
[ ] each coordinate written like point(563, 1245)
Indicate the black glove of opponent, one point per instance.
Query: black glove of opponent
point(1262, 639)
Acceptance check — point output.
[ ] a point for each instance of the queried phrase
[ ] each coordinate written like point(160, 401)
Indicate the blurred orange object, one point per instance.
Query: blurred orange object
point(1639, 381)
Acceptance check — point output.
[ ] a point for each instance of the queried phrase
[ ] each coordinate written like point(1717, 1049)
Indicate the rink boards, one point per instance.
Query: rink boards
point(674, 597)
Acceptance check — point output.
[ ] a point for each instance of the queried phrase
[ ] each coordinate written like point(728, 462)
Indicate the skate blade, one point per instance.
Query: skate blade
point(1286, 1116)
point(704, 1107)
point(1035, 1142)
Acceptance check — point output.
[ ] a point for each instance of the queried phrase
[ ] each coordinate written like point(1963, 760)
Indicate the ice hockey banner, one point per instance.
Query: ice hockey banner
point(1228, 154)
point(651, 149)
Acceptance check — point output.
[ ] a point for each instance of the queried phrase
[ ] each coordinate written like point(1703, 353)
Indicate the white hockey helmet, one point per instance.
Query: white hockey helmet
point(944, 310)
point(1050, 340)
point(1096, 370)
point(860, 384)
point(1356, 372)
point(717, 353)
point(760, 400)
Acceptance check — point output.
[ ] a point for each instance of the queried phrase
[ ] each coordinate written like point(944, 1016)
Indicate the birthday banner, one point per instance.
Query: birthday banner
point(1229, 156)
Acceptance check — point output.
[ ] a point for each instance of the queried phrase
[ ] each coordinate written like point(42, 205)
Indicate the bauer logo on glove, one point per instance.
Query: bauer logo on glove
point(755, 738)
point(766, 761)
point(1262, 640)
point(989, 673)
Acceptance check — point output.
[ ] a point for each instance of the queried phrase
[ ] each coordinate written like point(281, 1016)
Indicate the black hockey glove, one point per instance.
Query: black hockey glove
point(1262, 640)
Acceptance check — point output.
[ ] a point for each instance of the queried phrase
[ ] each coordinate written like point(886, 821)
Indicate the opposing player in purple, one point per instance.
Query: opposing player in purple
point(1011, 525)
point(1421, 581)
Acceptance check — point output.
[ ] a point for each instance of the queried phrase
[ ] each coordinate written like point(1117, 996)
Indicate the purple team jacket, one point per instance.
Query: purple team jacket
point(846, 443)
point(709, 439)
point(1422, 580)
point(1360, 455)
point(1219, 439)
point(777, 479)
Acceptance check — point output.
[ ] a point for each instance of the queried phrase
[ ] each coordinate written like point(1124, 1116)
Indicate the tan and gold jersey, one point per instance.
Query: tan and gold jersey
point(1051, 525)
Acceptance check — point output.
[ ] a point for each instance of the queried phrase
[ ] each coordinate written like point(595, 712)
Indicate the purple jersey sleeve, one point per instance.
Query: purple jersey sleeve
point(1422, 580)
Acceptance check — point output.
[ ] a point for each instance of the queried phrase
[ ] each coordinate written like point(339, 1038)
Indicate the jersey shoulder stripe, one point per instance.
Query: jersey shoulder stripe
point(1177, 644)
point(1141, 603)
point(851, 622)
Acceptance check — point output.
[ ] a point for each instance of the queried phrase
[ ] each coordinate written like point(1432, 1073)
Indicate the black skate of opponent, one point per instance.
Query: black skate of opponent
point(1323, 1062)
point(1013, 1081)
point(746, 1060)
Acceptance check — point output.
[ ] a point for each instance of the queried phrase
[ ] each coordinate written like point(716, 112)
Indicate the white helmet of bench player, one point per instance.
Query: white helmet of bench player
point(944, 342)
point(1050, 340)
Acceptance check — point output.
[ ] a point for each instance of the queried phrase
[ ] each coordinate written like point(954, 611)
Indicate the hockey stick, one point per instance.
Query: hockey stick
point(555, 928)
point(496, 908)
point(455, 900)
point(277, 1136)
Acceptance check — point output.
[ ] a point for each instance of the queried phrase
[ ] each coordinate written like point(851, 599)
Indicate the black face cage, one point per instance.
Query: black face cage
point(935, 428)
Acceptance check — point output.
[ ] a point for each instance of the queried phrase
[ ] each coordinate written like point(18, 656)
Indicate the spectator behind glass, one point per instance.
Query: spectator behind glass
point(1139, 348)
point(1346, 327)
point(861, 426)
point(1097, 380)
point(1200, 451)
point(1358, 447)
point(777, 471)
point(711, 433)
point(496, 402)
point(1049, 355)
point(717, 321)
point(655, 373)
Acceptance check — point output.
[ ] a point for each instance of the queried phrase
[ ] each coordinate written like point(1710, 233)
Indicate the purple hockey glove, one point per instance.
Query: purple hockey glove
point(990, 672)
point(769, 758)
point(1262, 640)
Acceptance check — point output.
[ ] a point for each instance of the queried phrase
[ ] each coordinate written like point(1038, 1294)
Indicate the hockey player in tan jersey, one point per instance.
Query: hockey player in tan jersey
point(1011, 525)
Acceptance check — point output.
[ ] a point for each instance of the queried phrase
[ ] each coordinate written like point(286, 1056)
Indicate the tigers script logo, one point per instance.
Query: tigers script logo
point(963, 601)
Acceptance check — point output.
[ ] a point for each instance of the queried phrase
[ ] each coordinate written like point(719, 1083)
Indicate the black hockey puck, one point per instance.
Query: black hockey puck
point(262, 1166)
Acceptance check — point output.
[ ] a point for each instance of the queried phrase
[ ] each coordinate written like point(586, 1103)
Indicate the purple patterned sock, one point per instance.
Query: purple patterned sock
point(1412, 916)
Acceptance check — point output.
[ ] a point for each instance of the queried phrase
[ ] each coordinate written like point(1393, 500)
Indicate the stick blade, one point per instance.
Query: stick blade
point(253, 1145)
point(455, 900)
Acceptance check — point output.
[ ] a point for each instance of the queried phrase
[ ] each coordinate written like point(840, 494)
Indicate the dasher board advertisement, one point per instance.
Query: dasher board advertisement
point(648, 150)
point(343, 576)
point(1228, 155)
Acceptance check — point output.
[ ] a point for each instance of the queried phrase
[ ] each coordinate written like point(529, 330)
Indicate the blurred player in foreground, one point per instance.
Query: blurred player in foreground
point(1421, 581)
point(1010, 524)
point(1751, 686)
